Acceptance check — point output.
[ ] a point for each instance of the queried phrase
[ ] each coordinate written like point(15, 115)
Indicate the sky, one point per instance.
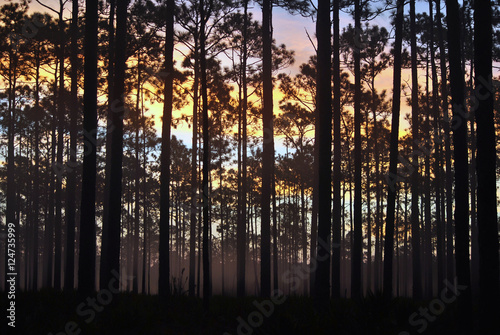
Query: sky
point(291, 30)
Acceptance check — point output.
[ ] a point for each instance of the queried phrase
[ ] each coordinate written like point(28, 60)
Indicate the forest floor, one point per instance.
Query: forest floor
point(57, 313)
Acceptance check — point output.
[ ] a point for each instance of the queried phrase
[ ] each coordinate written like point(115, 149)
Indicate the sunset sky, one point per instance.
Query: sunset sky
point(292, 31)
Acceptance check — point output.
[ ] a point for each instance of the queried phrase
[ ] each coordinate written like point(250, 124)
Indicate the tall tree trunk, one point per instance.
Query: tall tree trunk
point(53, 175)
point(110, 255)
point(222, 218)
point(275, 240)
point(398, 272)
point(198, 275)
point(459, 125)
point(393, 155)
point(368, 200)
point(137, 179)
point(324, 107)
point(357, 248)
point(60, 147)
point(126, 256)
point(337, 153)
point(49, 224)
point(241, 226)
point(450, 268)
point(164, 257)
point(268, 149)
point(206, 159)
point(29, 186)
point(315, 204)
point(86, 263)
point(35, 192)
point(427, 239)
point(194, 179)
point(415, 180)
point(36, 175)
point(10, 211)
point(406, 254)
point(145, 263)
point(69, 276)
point(378, 189)
point(303, 219)
point(244, 163)
point(474, 257)
point(315, 201)
point(438, 141)
point(486, 168)
point(109, 122)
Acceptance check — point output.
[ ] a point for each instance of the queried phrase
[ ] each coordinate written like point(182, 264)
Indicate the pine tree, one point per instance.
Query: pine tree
point(164, 257)
point(415, 180)
point(110, 255)
point(357, 248)
point(71, 187)
point(268, 149)
point(486, 167)
point(460, 155)
point(324, 107)
point(392, 190)
point(86, 264)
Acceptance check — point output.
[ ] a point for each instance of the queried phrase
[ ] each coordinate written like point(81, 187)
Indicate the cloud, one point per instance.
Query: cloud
point(292, 30)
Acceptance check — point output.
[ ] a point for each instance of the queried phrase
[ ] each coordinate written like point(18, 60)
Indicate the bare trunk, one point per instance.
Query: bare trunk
point(486, 169)
point(86, 263)
point(459, 126)
point(164, 257)
point(324, 107)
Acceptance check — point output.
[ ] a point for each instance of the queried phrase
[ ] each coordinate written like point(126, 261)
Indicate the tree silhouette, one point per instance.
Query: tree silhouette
point(415, 221)
point(242, 184)
point(233, 212)
point(391, 198)
point(110, 256)
point(356, 287)
point(86, 262)
point(268, 149)
point(164, 257)
point(337, 154)
point(459, 125)
point(486, 166)
point(323, 102)
point(72, 174)
point(206, 155)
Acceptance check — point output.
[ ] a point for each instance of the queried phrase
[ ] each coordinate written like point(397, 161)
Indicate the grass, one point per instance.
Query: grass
point(57, 313)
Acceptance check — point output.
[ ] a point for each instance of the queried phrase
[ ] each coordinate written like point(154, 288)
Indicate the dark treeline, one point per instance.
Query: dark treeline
point(263, 193)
